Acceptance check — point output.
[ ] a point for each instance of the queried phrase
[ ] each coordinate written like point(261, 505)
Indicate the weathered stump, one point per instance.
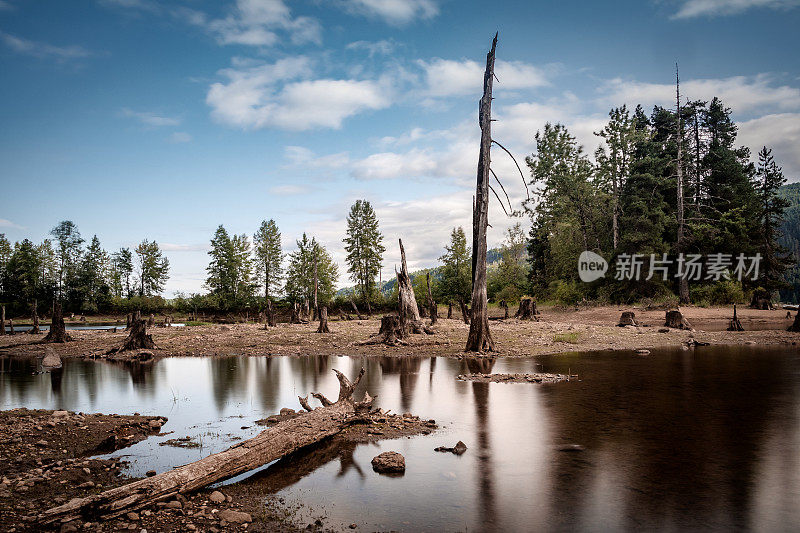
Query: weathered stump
point(10, 326)
point(270, 315)
point(295, 318)
point(796, 324)
point(504, 307)
point(464, 311)
point(323, 320)
point(676, 320)
point(423, 312)
point(405, 291)
point(58, 331)
point(527, 309)
point(35, 330)
point(391, 333)
point(151, 321)
point(2, 319)
point(138, 338)
point(734, 324)
point(628, 318)
point(761, 300)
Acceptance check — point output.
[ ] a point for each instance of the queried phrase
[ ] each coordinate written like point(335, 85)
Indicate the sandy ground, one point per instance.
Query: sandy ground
point(558, 331)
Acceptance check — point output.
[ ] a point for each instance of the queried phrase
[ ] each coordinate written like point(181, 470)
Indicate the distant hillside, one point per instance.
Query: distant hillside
point(791, 240)
point(492, 256)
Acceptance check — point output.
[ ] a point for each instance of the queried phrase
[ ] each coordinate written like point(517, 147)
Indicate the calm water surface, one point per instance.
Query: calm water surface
point(702, 439)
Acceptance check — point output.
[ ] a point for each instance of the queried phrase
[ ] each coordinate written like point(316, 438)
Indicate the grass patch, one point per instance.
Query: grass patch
point(198, 323)
point(571, 338)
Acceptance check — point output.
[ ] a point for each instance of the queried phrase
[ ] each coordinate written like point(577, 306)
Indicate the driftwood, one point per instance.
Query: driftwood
point(676, 320)
point(432, 307)
point(734, 324)
point(58, 331)
point(796, 324)
point(628, 318)
point(408, 302)
point(323, 320)
point(271, 444)
point(527, 310)
point(480, 338)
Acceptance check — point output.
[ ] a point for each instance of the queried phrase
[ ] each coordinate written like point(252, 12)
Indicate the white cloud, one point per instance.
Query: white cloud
point(171, 247)
point(301, 156)
point(742, 93)
point(395, 12)
point(447, 77)
point(43, 50)
point(257, 23)
point(781, 132)
point(711, 8)
point(288, 190)
point(4, 223)
point(373, 48)
point(149, 118)
point(5, 6)
point(252, 97)
point(180, 137)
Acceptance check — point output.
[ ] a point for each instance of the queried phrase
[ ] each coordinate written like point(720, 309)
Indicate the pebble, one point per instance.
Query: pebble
point(217, 497)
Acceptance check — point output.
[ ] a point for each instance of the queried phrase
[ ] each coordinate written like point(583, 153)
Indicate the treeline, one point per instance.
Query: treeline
point(626, 201)
point(84, 277)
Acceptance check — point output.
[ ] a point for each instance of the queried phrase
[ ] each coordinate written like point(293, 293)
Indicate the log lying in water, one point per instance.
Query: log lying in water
point(269, 445)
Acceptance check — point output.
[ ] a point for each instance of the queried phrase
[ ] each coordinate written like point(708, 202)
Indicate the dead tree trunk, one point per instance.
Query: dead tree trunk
point(35, 329)
point(796, 324)
point(358, 313)
point(323, 320)
point(269, 445)
point(138, 338)
point(270, 321)
point(58, 331)
point(295, 318)
point(408, 301)
point(10, 326)
point(450, 310)
point(683, 283)
point(527, 310)
point(316, 287)
point(391, 333)
point(432, 307)
point(464, 311)
point(2, 319)
point(734, 324)
point(480, 338)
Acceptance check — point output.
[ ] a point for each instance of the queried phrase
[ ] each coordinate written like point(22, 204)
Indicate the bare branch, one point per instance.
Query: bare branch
point(499, 200)
point(510, 207)
point(521, 175)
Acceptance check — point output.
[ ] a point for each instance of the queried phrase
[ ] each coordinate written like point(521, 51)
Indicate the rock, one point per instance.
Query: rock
point(389, 463)
point(69, 528)
point(217, 497)
point(235, 517)
point(642, 351)
point(663, 330)
point(42, 443)
point(132, 516)
point(286, 411)
point(458, 449)
point(174, 504)
point(353, 526)
point(59, 414)
point(150, 473)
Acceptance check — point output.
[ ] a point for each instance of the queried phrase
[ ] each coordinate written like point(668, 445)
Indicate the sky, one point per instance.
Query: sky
point(162, 120)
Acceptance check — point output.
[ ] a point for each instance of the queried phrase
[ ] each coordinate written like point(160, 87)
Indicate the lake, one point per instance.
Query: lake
point(707, 438)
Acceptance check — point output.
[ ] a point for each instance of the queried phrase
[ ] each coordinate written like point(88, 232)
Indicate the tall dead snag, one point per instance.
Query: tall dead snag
point(323, 320)
point(683, 283)
point(734, 324)
point(796, 324)
point(408, 302)
point(432, 307)
point(480, 338)
point(58, 331)
point(271, 444)
point(35, 330)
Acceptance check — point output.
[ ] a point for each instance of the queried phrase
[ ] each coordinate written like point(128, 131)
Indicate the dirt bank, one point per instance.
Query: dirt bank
point(559, 330)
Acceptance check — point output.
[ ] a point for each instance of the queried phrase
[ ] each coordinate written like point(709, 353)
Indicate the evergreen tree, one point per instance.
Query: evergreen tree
point(364, 248)
point(69, 253)
point(121, 272)
point(300, 274)
point(23, 273)
point(5, 257)
point(456, 281)
point(769, 179)
point(221, 276)
point(269, 257)
point(92, 275)
point(152, 268)
point(243, 286)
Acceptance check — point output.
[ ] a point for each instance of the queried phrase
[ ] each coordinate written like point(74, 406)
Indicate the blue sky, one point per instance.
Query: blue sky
point(141, 119)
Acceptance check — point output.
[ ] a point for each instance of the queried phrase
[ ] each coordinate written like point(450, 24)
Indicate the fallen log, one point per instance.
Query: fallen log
point(269, 445)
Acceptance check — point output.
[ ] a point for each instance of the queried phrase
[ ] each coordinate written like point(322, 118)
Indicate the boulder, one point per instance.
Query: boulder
point(235, 517)
point(217, 497)
point(389, 463)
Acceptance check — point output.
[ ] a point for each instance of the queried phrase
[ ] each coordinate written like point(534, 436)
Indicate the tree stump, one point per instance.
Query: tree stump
point(527, 310)
point(323, 320)
point(796, 324)
point(628, 318)
point(761, 300)
point(270, 316)
point(676, 320)
point(734, 324)
point(10, 326)
point(391, 333)
point(504, 307)
point(138, 338)
point(58, 331)
point(35, 330)
point(450, 311)
point(295, 318)
point(423, 312)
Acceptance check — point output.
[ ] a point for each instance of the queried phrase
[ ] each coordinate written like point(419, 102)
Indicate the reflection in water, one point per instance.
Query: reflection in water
point(703, 439)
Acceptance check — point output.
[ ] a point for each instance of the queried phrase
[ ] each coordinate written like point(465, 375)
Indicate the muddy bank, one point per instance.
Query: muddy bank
point(515, 378)
point(44, 462)
point(558, 331)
